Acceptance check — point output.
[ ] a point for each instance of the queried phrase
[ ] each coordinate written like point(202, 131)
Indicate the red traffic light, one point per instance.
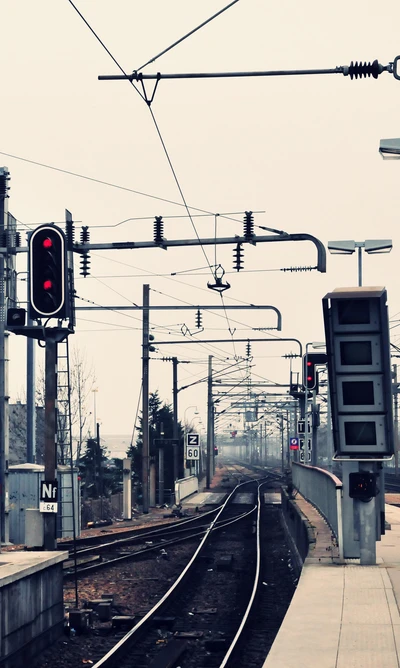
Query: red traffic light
point(48, 273)
point(310, 375)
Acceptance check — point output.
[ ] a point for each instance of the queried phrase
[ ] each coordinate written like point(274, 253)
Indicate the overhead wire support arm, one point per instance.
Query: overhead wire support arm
point(215, 307)
point(354, 70)
point(321, 252)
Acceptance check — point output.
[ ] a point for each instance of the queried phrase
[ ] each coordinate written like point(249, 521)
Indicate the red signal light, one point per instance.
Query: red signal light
point(47, 243)
point(47, 285)
point(309, 363)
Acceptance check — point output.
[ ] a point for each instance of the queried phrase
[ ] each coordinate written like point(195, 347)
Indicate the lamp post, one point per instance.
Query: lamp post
point(280, 418)
point(94, 412)
point(371, 246)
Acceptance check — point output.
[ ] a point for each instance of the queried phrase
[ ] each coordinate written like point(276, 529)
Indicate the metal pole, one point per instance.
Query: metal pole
point(127, 488)
point(282, 445)
point(209, 427)
point(359, 266)
point(145, 400)
point(314, 428)
point(161, 474)
point(287, 439)
point(396, 420)
point(30, 400)
point(307, 434)
point(213, 438)
point(100, 468)
point(4, 443)
point(367, 513)
point(50, 445)
point(175, 411)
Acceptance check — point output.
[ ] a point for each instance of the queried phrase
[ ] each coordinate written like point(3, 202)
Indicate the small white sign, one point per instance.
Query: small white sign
point(47, 507)
point(193, 453)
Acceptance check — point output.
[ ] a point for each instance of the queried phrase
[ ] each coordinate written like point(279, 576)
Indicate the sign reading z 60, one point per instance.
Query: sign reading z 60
point(193, 446)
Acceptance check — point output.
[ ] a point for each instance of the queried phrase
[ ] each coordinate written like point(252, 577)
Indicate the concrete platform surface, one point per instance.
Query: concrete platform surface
point(17, 565)
point(344, 615)
point(204, 499)
point(245, 498)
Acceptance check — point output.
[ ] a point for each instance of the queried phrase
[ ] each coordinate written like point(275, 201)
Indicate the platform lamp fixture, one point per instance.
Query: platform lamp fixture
point(371, 246)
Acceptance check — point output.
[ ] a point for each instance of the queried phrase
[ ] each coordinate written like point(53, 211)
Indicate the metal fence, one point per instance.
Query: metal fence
point(324, 491)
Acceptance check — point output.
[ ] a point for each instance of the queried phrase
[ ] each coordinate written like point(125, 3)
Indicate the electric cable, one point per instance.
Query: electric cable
point(181, 39)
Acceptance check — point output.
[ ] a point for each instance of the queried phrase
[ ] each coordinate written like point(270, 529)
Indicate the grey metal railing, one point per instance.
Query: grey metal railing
point(324, 491)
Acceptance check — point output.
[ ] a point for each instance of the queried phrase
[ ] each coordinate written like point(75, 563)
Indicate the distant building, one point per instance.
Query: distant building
point(18, 444)
point(116, 445)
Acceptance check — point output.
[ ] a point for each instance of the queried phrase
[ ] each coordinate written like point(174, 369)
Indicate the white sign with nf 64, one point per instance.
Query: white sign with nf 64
point(193, 446)
point(48, 496)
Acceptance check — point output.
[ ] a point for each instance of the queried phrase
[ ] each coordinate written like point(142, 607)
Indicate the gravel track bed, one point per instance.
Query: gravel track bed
point(136, 587)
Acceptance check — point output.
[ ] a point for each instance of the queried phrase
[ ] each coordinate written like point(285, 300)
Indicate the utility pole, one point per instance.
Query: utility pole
point(210, 459)
point(145, 400)
point(30, 399)
point(50, 445)
point(175, 411)
point(4, 414)
point(396, 419)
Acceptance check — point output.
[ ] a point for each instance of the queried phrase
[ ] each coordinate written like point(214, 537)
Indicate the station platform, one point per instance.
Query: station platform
point(32, 611)
point(215, 499)
point(204, 499)
point(343, 615)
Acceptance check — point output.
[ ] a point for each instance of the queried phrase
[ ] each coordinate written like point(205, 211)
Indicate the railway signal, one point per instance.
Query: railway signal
point(360, 383)
point(48, 273)
point(310, 374)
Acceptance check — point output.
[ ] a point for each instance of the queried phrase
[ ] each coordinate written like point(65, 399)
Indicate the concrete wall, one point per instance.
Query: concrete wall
point(185, 487)
point(31, 611)
point(298, 530)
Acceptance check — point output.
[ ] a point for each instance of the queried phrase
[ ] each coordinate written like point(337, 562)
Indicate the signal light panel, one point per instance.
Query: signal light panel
point(47, 273)
point(357, 340)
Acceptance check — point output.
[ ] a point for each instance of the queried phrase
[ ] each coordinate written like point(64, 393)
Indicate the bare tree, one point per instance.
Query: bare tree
point(83, 380)
point(72, 399)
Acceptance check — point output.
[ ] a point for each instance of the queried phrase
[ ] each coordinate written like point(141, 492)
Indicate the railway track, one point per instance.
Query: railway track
point(205, 612)
point(118, 551)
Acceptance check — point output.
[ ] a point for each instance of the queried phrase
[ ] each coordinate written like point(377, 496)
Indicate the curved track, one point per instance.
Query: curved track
point(179, 599)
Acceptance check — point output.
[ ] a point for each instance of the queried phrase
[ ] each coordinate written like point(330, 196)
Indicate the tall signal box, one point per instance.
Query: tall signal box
point(358, 349)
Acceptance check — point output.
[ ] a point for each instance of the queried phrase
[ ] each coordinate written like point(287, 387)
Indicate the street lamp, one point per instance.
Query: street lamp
point(370, 246)
point(390, 149)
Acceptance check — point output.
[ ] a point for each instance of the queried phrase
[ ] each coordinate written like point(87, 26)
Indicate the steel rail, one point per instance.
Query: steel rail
point(254, 590)
point(84, 569)
point(108, 659)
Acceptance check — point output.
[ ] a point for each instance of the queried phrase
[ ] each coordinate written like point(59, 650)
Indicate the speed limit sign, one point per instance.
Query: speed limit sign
point(193, 453)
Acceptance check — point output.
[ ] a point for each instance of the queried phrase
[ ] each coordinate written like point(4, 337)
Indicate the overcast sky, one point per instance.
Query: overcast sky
point(303, 151)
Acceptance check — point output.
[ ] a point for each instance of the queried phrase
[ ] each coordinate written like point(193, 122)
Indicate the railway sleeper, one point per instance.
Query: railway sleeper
point(170, 653)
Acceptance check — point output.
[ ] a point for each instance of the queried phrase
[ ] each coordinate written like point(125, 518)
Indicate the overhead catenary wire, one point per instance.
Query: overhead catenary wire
point(181, 39)
point(148, 272)
point(118, 187)
point(174, 174)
